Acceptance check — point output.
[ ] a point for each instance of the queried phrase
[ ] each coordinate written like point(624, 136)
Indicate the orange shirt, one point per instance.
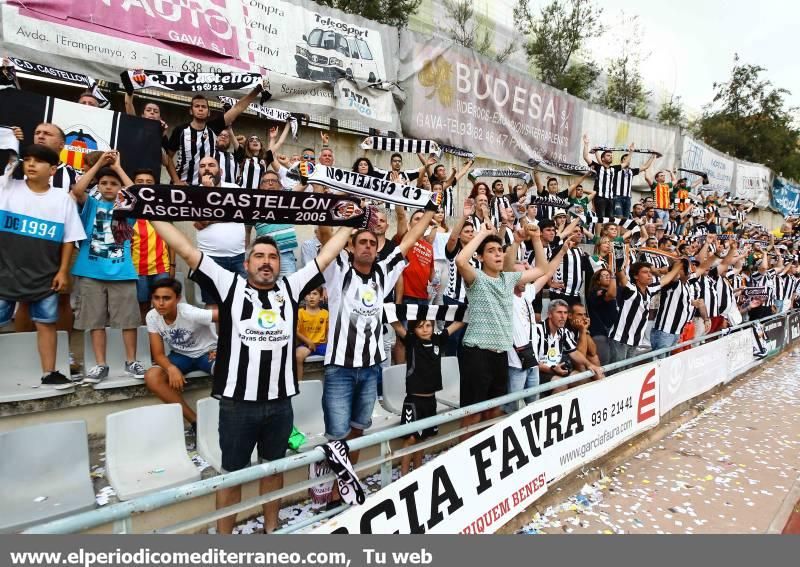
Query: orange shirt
point(662, 193)
point(683, 200)
point(418, 272)
point(149, 251)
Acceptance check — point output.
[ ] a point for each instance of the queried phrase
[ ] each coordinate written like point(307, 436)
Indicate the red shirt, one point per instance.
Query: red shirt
point(418, 272)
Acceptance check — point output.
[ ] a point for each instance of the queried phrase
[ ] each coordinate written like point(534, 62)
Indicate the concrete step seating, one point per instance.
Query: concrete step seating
point(21, 378)
point(146, 451)
point(45, 472)
point(394, 390)
point(115, 357)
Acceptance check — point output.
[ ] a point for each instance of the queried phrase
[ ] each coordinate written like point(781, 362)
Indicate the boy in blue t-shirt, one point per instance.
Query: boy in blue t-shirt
point(106, 276)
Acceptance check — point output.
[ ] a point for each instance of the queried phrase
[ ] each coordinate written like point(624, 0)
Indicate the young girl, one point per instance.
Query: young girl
point(312, 329)
point(424, 351)
point(252, 163)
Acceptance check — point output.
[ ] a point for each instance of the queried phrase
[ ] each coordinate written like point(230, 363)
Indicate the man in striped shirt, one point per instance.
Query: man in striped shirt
point(604, 180)
point(623, 180)
point(254, 373)
point(678, 301)
point(197, 139)
point(357, 285)
point(634, 294)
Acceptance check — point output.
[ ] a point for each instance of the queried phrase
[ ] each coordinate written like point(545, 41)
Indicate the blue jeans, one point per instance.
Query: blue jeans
point(245, 425)
point(44, 310)
point(660, 339)
point(143, 289)
point(233, 264)
point(288, 263)
point(622, 206)
point(662, 215)
point(348, 398)
point(454, 341)
point(521, 379)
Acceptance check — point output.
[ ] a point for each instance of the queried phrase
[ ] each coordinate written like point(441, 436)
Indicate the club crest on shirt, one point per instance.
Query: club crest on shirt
point(267, 318)
point(436, 350)
point(279, 298)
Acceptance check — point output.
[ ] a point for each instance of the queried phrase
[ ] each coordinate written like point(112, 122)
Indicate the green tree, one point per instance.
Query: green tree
point(749, 119)
point(390, 12)
point(671, 113)
point(554, 43)
point(473, 31)
point(625, 91)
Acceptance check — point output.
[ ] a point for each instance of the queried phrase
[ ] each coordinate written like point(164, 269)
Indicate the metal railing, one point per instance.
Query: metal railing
point(121, 514)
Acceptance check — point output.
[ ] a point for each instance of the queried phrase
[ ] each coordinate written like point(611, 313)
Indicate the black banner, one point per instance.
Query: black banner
point(136, 79)
point(776, 334)
point(46, 71)
point(794, 326)
point(87, 129)
point(224, 204)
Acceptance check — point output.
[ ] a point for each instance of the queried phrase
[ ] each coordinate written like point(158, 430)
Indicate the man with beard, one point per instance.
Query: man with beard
point(255, 369)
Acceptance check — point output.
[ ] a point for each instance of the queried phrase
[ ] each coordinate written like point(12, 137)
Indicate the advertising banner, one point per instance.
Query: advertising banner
point(739, 350)
point(481, 484)
point(776, 335)
point(459, 98)
point(690, 373)
point(785, 197)
point(87, 129)
point(302, 47)
point(752, 183)
point(700, 157)
point(794, 326)
point(611, 129)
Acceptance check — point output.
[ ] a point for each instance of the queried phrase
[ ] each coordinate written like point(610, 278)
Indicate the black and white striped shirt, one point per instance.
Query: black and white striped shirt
point(706, 289)
point(227, 165)
point(604, 180)
point(497, 208)
point(571, 272)
point(255, 349)
point(190, 146)
point(551, 347)
point(456, 288)
point(250, 171)
point(633, 307)
point(355, 304)
point(725, 296)
point(676, 308)
point(623, 179)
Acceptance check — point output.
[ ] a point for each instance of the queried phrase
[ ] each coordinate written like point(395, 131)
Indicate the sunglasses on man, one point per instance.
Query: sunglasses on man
point(308, 157)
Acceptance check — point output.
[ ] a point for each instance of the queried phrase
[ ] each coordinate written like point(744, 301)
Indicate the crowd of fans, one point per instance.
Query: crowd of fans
point(620, 276)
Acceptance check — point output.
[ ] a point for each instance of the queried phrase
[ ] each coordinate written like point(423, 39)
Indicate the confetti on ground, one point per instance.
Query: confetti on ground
point(720, 472)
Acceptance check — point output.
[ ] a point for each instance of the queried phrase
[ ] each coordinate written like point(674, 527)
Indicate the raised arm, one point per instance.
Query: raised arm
point(536, 272)
point(178, 241)
point(466, 269)
point(673, 273)
point(465, 169)
point(626, 161)
point(415, 233)
point(579, 181)
point(79, 189)
point(648, 163)
point(130, 110)
point(452, 241)
point(241, 105)
point(537, 181)
point(333, 247)
point(587, 157)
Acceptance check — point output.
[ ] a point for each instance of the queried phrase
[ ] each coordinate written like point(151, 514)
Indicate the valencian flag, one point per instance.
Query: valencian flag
point(86, 128)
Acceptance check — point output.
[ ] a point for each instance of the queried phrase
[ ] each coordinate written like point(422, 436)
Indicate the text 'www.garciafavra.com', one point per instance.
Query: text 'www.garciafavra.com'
point(147, 558)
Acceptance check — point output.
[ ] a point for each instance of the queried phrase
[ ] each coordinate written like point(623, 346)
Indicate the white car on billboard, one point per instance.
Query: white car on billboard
point(329, 55)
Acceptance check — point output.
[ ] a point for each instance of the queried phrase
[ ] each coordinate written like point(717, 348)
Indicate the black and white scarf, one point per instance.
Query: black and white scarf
point(135, 79)
point(338, 455)
point(265, 112)
point(556, 202)
point(755, 293)
point(558, 166)
point(458, 152)
point(39, 70)
point(699, 173)
point(400, 145)
point(591, 218)
point(231, 204)
point(393, 312)
point(516, 174)
point(366, 186)
point(626, 150)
